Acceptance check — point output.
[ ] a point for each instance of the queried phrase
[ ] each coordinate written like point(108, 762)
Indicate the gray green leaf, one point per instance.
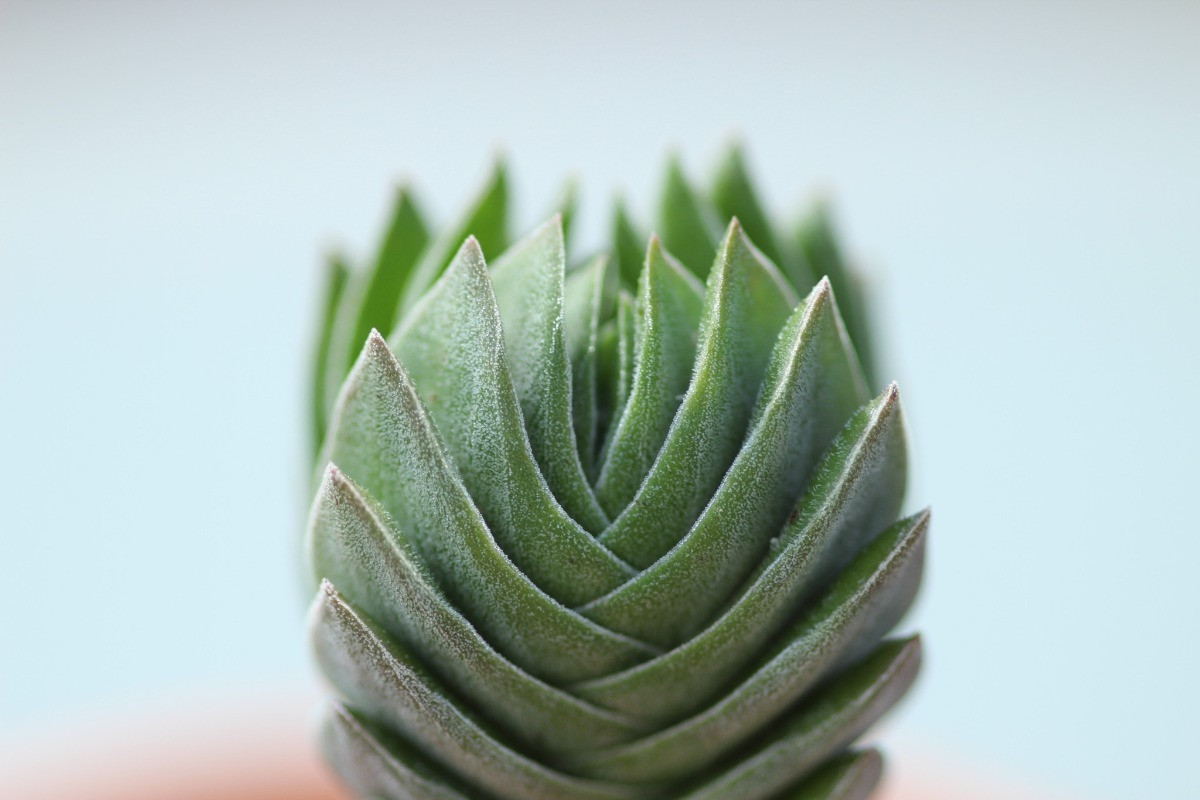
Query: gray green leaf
point(812, 385)
point(669, 303)
point(375, 763)
point(868, 598)
point(371, 672)
point(830, 722)
point(453, 347)
point(528, 283)
point(380, 431)
point(854, 494)
point(352, 544)
point(746, 302)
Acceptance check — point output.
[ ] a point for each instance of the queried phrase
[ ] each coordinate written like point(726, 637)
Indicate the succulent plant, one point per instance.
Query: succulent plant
point(621, 528)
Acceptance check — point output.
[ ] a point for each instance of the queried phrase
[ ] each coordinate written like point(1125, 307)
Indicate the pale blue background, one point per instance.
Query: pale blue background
point(1022, 182)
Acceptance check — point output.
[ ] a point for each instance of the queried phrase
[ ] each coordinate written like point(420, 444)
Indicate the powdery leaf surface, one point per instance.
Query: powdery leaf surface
point(595, 531)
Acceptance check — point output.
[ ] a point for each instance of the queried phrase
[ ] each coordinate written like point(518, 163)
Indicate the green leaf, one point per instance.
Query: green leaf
point(486, 219)
point(374, 763)
point(669, 303)
point(582, 299)
point(687, 226)
point(746, 302)
point(616, 355)
point(371, 672)
point(734, 196)
point(854, 494)
point(452, 346)
point(608, 364)
point(340, 357)
point(851, 776)
point(405, 241)
point(566, 205)
point(819, 246)
point(829, 722)
point(626, 245)
point(812, 386)
point(627, 347)
point(528, 283)
point(380, 431)
point(866, 601)
point(381, 572)
point(337, 275)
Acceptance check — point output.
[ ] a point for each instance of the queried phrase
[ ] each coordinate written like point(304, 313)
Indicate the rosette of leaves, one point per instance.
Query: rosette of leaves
point(617, 529)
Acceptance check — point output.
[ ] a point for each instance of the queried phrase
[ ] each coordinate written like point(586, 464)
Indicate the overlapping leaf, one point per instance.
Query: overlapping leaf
point(528, 282)
point(453, 347)
point(602, 532)
point(669, 305)
point(383, 437)
point(811, 387)
point(353, 544)
point(746, 303)
point(854, 493)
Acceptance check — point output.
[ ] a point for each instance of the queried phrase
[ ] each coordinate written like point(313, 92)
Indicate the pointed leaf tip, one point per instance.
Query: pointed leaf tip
point(376, 345)
point(922, 518)
point(470, 247)
point(734, 228)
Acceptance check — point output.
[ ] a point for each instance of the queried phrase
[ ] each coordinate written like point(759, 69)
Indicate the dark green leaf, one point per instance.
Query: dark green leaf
point(566, 205)
point(626, 245)
point(486, 219)
point(337, 275)
point(616, 354)
point(734, 196)
point(688, 227)
point(818, 244)
point(405, 241)
point(851, 776)
point(582, 298)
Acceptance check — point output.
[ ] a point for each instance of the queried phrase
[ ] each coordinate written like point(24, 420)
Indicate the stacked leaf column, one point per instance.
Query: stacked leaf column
point(625, 528)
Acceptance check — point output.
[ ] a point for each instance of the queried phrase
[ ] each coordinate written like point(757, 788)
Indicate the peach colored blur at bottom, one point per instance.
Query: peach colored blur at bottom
point(293, 772)
point(259, 747)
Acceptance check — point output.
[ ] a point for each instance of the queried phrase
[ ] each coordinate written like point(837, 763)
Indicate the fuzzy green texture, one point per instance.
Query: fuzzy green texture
point(622, 529)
